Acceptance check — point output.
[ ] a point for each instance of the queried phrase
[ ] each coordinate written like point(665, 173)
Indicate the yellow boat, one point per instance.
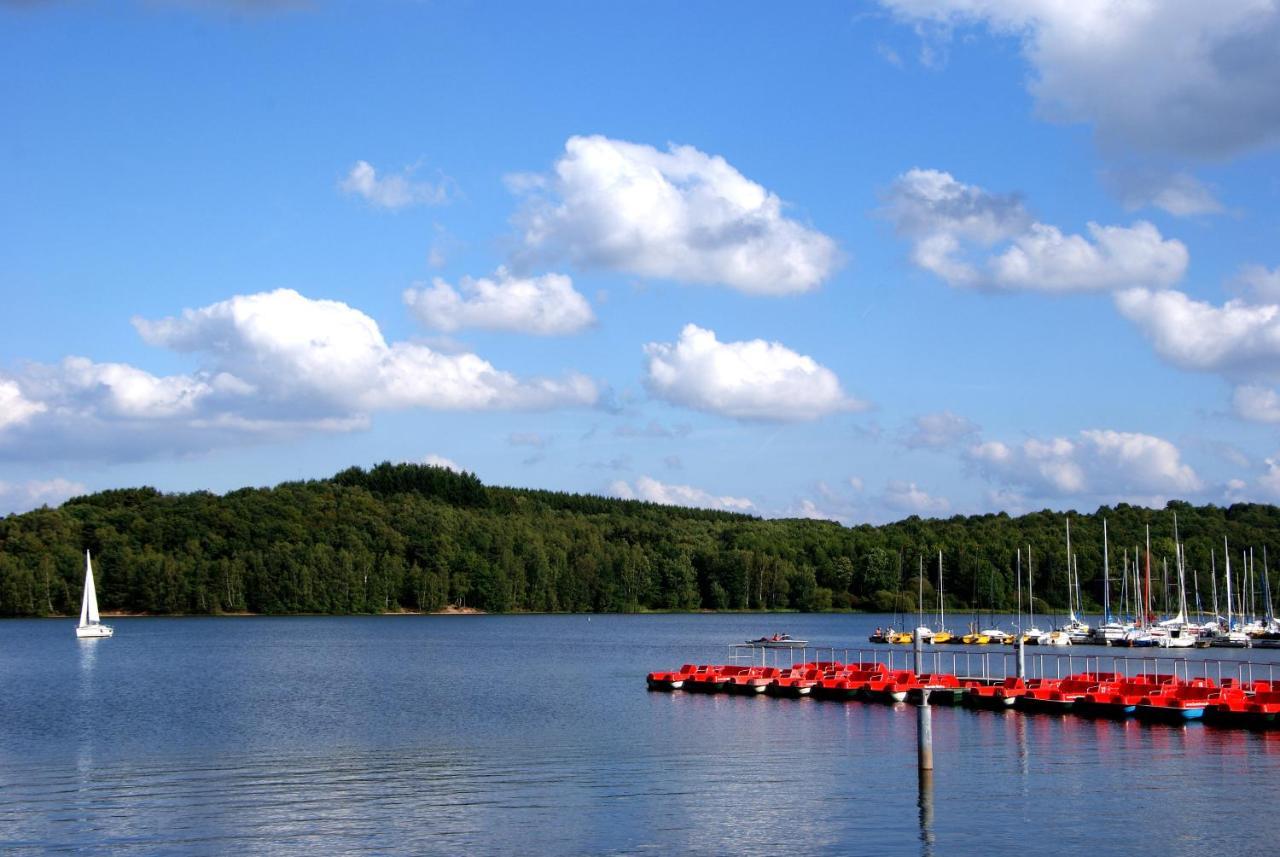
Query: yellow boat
point(901, 638)
point(975, 639)
point(943, 637)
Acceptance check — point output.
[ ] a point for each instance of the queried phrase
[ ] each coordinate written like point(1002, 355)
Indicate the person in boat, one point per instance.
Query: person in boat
point(777, 637)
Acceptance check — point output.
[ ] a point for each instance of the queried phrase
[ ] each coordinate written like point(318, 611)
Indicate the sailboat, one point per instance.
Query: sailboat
point(1110, 631)
point(942, 635)
point(90, 625)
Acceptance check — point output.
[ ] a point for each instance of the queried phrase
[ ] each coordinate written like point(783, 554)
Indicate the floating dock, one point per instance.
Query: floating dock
point(1222, 692)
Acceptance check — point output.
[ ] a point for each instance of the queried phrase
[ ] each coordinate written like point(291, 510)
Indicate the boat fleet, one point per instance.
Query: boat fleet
point(1146, 694)
point(1245, 619)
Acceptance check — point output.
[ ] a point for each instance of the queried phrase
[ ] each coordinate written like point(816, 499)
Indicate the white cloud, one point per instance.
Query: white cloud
point(939, 430)
point(393, 191)
point(327, 355)
point(976, 239)
point(274, 364)
point(1237, 339)
point(753, 380)
point(17, 497)
point(908, 497)
point(1179, 194)
point(680, 214)
point(1190, 78)
point(1101, 463)
point(652, 491)
point(547, 305)
point(15, 408)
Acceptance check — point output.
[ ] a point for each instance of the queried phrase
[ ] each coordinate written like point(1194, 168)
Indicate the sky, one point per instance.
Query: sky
point(854, 261)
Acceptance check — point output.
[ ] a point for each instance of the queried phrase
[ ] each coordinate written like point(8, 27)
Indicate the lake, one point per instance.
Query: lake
point(536, 735)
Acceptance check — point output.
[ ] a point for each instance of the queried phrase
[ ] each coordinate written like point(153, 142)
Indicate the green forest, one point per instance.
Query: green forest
point(419, 538)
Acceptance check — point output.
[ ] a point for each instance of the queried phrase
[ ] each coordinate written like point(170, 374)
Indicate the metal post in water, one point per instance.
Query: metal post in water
point(924, 732)
point(924, 719)
point(1022, 658)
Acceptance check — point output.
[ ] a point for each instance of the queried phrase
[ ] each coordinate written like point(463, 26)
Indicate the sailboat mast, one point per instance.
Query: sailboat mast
point(1020, 589)
point(88, 590)
point(1031, 589)
point(1266, 589)
point(1106, 577)
point(1146, 595)
point(942, 603)
point(1213, 580)
point(1227, 553)
point(920, 597)
point(1070, 611)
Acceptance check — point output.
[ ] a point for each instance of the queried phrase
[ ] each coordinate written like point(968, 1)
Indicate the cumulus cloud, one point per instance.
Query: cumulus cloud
point(1236, 339)
point(16, 497)
point(939, 430)
point(972, 238)
point(652, 491)
point(908, 497)
point(752, 380)
point(678, 214)
point(547, 305)
point(391, 191)
point(274, 363)
point(1195, 79)
point(15, 408)
point(1101, 463)
point(329, 355)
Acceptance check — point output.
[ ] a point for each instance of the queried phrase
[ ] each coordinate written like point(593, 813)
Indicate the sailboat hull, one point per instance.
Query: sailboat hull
point(92, 631)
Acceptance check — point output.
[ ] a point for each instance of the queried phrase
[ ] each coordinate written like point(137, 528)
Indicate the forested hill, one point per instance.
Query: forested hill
point(412, 537)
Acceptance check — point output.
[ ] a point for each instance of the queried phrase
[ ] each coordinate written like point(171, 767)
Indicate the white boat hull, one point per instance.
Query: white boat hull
point(92, 631)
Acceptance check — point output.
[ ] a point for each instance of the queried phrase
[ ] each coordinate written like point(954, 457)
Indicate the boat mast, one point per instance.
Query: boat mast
point(1213, 579)
point(1070, 610)
point(942, 604)
point(920, 597)
point(1031, 589)
point(1227, 553)
point(1124, 584)
point(1146, 596)
point(1266, 589)
point(1106, 577)
point(1020, 589)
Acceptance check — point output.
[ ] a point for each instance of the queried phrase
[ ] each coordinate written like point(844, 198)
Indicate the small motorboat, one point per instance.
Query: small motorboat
point(778, 641)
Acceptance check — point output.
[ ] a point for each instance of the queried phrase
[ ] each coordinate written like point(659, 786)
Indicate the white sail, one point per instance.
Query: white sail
point(90, 623)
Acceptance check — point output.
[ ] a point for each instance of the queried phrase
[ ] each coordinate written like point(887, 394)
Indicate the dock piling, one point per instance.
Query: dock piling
point(924, 719)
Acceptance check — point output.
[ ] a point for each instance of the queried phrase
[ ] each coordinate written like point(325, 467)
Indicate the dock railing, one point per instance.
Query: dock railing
point(994, 667)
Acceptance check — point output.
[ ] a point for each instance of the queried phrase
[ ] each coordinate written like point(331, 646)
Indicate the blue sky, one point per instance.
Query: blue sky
point(855, 261)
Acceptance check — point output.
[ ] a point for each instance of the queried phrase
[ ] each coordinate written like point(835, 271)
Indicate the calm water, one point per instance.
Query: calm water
point(536, 735)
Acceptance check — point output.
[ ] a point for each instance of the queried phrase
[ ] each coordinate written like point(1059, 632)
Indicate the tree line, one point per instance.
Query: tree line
point(419, 538)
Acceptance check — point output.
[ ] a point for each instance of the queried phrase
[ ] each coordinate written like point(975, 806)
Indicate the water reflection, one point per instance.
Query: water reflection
point(925, 802)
